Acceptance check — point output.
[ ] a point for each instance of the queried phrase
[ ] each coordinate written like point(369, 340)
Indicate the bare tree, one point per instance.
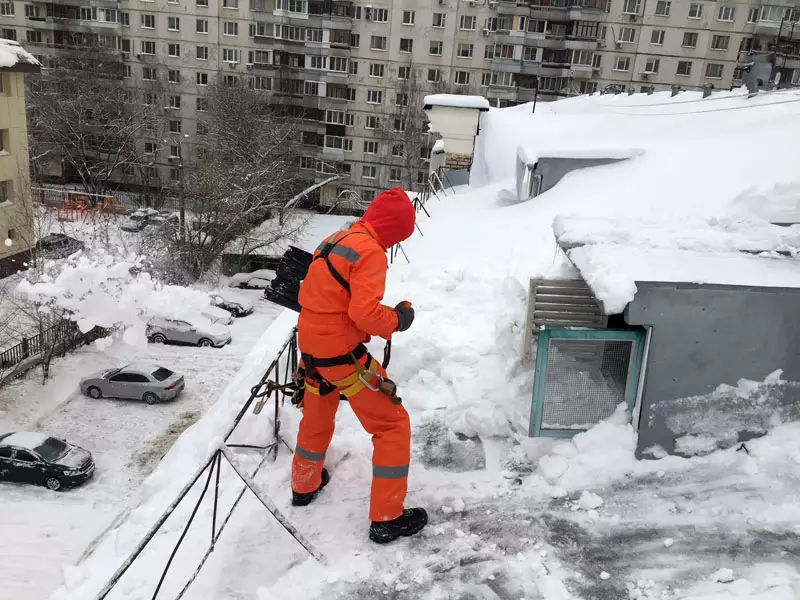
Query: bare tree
point(244, 172)
point(87, 124)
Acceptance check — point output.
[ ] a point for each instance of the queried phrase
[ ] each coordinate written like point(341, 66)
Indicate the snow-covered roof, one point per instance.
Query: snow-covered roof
point(303, 229)
point(456, 101)
point(438, 147)
point(12, 55)
point(616, 153)
point(25, 439)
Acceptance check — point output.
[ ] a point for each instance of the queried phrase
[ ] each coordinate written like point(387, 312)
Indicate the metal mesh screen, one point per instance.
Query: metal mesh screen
point(585, 381)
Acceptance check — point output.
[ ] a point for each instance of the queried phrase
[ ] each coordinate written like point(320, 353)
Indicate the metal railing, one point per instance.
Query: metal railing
point(60, 338)
point(74, 203)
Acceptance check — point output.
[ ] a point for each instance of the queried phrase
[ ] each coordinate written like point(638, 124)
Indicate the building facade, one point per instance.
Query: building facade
point(359, 70)
point(16, 209)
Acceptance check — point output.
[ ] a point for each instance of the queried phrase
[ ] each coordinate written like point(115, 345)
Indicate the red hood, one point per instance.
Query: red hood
point(391, 214)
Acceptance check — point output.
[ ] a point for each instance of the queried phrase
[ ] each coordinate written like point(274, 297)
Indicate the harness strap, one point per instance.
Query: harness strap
point(328, 247)
point(348, 386)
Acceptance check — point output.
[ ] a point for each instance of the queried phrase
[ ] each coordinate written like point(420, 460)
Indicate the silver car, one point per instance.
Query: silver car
point(150, 383)
point(200, 332)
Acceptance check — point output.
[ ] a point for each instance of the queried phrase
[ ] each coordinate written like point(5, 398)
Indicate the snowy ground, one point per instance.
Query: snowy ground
point(511, 517)
point(42, 530)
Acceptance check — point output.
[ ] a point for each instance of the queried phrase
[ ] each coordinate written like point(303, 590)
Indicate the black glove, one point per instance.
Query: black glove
point(405, 315)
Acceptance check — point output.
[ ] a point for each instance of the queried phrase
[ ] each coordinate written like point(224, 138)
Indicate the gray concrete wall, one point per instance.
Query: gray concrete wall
point(707, 335)
point(553, 170)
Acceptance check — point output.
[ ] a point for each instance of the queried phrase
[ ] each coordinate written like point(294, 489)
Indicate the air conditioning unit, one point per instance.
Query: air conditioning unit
point(601, 43)
point(493, 3)
point(249, 67)
point(596, 70)
point(646, 75)
point(618, 44)
point(485, 31)
point(474, 2)
point(633, 17)
point(368, 13)
point(442, 2)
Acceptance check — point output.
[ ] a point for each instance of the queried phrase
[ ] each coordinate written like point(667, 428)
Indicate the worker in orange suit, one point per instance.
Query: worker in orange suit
point(341, 309)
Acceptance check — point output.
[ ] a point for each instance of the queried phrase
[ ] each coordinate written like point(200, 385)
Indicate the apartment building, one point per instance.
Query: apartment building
point(16, 209)
point(357, 71)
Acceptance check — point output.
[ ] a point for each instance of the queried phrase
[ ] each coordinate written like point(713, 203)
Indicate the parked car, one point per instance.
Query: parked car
point(218, 315)
point(257, 280)
point(151, 383)
point(29, 457)
point(141, 218)
point(238, 307)
point(200, 332)
point(58, 245)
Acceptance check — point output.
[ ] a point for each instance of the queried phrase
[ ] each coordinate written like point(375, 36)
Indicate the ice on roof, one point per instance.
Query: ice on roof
point(457, 101)
point(612, 270)
point(12, 54)
point(25, 439)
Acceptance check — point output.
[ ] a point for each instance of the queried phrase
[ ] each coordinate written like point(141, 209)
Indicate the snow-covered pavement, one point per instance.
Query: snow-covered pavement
point(41, 530)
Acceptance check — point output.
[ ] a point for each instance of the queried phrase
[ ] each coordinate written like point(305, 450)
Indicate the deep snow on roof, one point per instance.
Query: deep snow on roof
point(456, 101)
point(25, 439)
point(12, 54)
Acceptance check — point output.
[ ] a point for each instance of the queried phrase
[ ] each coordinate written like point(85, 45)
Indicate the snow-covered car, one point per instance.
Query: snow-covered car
point(58, 245)
point(238, 307)
point(32, 457)
point(257, 280)
point(141, 218)
point(200, 332)
point(151, 383)
point(218, 315)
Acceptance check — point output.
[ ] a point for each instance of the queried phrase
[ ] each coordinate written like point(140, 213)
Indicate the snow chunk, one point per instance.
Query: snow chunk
point(12, 54)
point(8, 243)
point(723, 576)
point(456, 101)
point(605, 575)
point(438, 147)
point(589, 500)
point(668, 543)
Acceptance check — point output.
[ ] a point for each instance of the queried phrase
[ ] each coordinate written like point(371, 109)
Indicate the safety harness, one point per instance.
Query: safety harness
point(365, 375)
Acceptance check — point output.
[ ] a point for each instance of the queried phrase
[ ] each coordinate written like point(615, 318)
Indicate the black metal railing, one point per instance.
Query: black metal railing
point(59, 339)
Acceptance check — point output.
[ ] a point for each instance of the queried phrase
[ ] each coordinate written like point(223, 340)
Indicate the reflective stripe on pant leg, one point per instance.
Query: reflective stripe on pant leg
point(313, 439)
point(309, 455)
point(389, 472)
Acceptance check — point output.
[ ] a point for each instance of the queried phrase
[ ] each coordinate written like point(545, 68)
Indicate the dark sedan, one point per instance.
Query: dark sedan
point(29, 457)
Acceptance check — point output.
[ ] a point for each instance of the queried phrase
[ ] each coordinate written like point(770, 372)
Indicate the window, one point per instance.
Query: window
point(258, 5)
point(406, 44)
point(174, 50)
point(395, 174)
point(311, 88)
point(401, 100)
point(230, 55)
point(380, 15)
point(7, 9)
point(338, 64)
point(528, 53)
point(349, 120)
point(689, 40)
point(581, 57)
point(174, 151)
point(657, 37)
point(202, 53)
point(261, 83)
point(230, 28)
point(173, 23)
point(201, 26)
point(434, 75)
point(202, 104)
point(374, 96)
point(334, 117)
point(720, 42)
point(230, 3)
point(503, 79)
point(467, 22)
point(259, 57)
point(408, 17)
point(462, 78)
point(371, 122)
point(351, 94)
point(4, 192)
point(377, 42)
point(369, 171)
point(622, 63)
point(403, 72)
point(174, 102)
point(259, 29)
point(127, 71)
point(88, 13)
point(355, 40)
point(125, 19)
point(399, 125)
point(465, 50)
point(174, 126)
point(684, 68)
point(438, 20)
point(148, 47)
point(201, 2)
point(314, 35)
point(307, 162)
point(398, 151)
point(726, 13)
point(173, 76)
point(714, 70)
point(503, 51)
point(149, 99)
point(436, 48)
point(149, 148)
point(695, 11)
point(352, 67)
point(652, 64)
point(318, 62)
point(627, 35)
point(376, 70)
point(31, 11)
point(148, 21)
point(10, 34)
point(752, 15)
point(631, 7)
point(370, 147)
point(34, 37)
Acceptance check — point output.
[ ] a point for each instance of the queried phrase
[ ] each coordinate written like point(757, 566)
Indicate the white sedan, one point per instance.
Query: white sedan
point(257, 280)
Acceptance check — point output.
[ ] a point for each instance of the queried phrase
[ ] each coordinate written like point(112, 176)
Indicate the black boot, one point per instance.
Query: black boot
point(410, 522)
point(305, 499)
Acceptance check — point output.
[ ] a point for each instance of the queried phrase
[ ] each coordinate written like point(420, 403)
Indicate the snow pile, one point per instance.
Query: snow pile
point(12, 54)
point(456, 101)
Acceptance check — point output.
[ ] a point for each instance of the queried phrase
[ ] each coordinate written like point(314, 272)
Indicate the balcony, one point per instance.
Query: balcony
point(504, 36)
point(512, 8)
point(509, 65)
point(787, 31)
point(574, 43)
point(581, 71)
